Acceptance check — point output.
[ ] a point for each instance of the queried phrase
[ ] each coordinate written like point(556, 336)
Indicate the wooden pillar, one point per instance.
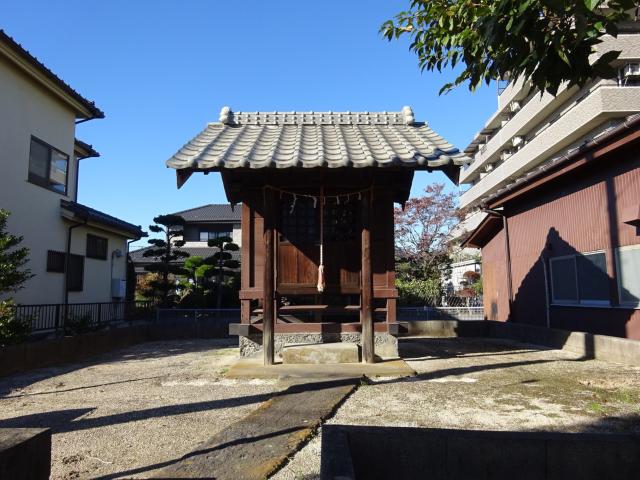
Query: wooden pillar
point(366, 295)
point(268, 290)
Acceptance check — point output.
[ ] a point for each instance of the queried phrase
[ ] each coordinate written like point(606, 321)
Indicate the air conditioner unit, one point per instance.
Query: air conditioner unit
point(118, 288)
point(631, 70)
point(514, 106)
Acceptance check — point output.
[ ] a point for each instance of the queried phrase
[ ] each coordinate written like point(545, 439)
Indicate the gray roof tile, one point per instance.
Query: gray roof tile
point(316, 139)
point(212, 213)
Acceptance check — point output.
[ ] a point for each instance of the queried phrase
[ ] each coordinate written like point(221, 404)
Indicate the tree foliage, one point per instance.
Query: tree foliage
point(222, 263)
point(13, 275)
point(167, 253)
point(423, 230)
point(547, 42)
point(13, 259)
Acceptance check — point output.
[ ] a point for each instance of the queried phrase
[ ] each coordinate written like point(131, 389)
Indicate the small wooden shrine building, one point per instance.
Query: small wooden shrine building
point(317, 192)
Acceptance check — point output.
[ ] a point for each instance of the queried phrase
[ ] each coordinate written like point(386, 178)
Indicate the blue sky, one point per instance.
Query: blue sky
point(161, 70)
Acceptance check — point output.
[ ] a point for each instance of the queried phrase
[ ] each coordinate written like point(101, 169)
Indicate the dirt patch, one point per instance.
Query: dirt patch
point(489, 385)
point(130, 412)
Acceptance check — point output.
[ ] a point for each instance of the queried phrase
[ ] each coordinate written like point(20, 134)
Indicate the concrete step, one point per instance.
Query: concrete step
point(320, 353)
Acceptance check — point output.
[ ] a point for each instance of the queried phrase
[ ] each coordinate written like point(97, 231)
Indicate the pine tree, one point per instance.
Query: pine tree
point(167, 253)
point(13, 275)
point(222, 262)
point(12, 259)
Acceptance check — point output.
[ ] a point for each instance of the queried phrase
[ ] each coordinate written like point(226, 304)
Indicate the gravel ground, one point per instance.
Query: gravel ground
point(490, 385)
point(129, 412)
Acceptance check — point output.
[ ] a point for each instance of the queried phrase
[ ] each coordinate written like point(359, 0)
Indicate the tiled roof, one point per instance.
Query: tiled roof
point(90, 214)
point(316, 139)
point(21, 52)
point(84, 150)
point(204, 252)
point(212, 213)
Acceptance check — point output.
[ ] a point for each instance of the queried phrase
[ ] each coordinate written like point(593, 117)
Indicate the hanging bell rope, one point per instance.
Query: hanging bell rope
point(321, 263)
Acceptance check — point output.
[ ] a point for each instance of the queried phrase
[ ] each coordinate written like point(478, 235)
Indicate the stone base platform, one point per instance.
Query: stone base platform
point(253, 367)
point(320, 353)
point(386, 345)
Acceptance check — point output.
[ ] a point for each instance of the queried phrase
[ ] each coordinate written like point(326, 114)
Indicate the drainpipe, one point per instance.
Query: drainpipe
point(507, 251)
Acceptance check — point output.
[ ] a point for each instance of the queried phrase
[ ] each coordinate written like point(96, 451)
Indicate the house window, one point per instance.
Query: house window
point(580, 279)
point(298, 224)
point(55, 261)
point(48, 167)
point(628, 263)
point(75, 277)
point(97, 247)
point(206, 235)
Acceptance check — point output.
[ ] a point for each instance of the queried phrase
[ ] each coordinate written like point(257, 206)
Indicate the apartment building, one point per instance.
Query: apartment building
point(530, 129)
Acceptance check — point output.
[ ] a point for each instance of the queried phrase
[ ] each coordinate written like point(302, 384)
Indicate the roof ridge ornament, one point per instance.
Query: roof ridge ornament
point(409, 118)
point(226, 115)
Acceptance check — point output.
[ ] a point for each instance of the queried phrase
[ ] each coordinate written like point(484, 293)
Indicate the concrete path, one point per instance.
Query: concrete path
point(257, 445)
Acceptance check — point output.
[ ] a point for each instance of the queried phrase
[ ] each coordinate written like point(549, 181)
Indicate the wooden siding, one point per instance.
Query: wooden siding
point(297, 265)
point(576, 212)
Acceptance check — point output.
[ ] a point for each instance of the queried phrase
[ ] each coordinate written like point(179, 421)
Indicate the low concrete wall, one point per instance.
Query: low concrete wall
point(588, 345)
point(58, 351)
point(350, 452)
point(447, 328)
point(25, 453)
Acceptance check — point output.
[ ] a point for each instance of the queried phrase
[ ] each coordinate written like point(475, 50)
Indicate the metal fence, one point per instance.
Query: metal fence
point(197, 314)
point(58, 316)
point(440, 313)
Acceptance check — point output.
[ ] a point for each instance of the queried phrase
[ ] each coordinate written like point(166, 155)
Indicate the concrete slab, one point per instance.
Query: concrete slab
point(256, 446)
point(25, 453)
point(320, 353)
point(252, 367)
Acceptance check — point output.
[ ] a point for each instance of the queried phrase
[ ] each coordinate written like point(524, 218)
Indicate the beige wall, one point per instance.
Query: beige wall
point(26, 110)
point(97, 273)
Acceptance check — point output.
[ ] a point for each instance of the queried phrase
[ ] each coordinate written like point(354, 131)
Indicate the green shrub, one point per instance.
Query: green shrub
point(76, 324)
point(416, 292)
point(13, 330)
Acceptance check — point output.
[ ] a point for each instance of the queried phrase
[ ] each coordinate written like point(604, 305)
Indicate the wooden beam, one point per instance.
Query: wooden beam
point(366, 283)
point(268, 294)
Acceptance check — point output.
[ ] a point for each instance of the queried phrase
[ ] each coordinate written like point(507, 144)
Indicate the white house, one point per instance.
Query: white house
point(40, 159)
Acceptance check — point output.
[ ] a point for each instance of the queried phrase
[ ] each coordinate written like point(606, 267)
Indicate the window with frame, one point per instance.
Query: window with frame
point(48, 167)
point(55, 261)
point(97, 247)
point(75, 276)
point(628, 267)
point(580, 279)
point(206, 235)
